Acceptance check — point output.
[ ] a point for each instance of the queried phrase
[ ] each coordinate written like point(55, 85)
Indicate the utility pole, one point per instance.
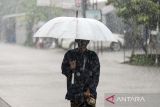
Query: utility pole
point(84, 7)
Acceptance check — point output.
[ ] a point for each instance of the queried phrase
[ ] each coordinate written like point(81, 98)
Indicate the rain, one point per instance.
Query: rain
point(30, 66)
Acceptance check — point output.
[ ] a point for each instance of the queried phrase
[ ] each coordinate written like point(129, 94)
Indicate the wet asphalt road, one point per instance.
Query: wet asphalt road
point(32, 77)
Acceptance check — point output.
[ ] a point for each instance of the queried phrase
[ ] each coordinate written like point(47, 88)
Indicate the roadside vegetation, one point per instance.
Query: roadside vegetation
point(142, 19)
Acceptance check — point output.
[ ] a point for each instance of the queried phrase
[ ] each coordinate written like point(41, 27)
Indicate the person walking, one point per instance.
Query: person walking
point(82, 70)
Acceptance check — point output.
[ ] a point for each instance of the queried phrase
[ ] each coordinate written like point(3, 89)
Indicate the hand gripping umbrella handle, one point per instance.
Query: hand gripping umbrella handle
point(72, 80)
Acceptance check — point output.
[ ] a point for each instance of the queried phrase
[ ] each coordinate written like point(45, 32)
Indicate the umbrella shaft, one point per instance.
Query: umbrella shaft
point(72, 81)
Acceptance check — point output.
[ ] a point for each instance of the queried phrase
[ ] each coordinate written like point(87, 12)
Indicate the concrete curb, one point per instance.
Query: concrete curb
point(3, 103)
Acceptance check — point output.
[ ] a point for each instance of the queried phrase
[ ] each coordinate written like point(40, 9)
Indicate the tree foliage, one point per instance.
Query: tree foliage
point(137, 13)
point(34, 13)
point(29, 7)
point(144, 12)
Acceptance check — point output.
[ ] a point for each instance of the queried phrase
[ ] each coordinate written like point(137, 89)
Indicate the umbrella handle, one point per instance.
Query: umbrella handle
point(72, 80)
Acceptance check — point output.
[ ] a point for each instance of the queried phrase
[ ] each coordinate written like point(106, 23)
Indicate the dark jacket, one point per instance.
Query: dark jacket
point(86, 75)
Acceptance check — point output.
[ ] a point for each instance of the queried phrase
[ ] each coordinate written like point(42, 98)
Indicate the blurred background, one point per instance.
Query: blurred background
point(135, 22)
point(20, 19)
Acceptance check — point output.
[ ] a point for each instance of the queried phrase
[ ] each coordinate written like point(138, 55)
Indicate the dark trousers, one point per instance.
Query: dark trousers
point(75, 104)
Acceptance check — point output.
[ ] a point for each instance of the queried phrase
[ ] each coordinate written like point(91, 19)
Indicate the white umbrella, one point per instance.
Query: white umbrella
point(75, 28)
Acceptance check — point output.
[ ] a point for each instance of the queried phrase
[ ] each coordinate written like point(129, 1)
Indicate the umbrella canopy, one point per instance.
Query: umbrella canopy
point(75, 28)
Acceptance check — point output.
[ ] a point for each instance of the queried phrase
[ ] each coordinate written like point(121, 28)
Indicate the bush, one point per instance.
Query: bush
point(143, 59)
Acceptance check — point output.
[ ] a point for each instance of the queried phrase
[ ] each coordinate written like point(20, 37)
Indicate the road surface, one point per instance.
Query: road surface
point(32, 77)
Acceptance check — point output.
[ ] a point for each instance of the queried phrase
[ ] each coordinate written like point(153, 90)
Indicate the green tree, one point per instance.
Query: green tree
point(37, 13)
point(138, 12)
point(34, 13)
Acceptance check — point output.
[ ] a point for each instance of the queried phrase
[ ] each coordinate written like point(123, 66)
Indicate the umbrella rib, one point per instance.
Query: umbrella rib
point(96, 37)
point(51, 28)
point(98, 27)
